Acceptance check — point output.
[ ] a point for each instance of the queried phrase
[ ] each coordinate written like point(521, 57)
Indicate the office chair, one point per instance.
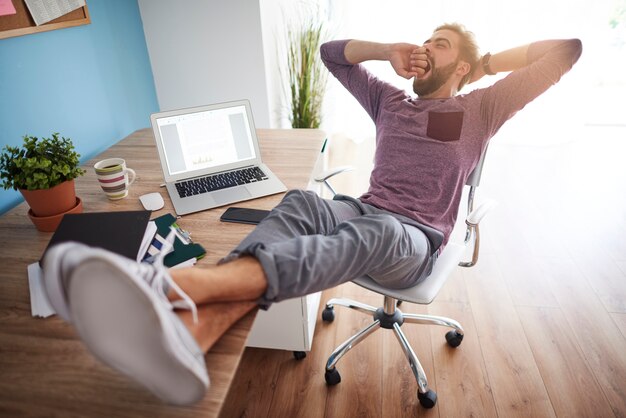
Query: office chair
point(389, 316)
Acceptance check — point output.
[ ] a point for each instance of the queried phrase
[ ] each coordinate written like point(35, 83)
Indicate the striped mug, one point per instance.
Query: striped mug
point(113, 176)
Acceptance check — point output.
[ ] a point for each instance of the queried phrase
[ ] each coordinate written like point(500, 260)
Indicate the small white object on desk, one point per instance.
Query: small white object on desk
point(39, 303)
point(152, 201)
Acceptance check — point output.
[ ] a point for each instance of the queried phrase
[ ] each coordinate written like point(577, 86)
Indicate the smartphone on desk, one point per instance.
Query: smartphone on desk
point(244, 215)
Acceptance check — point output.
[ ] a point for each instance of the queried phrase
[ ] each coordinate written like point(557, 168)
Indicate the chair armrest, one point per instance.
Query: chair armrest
point(475, 216)
point(326, 174)
point(472, 221)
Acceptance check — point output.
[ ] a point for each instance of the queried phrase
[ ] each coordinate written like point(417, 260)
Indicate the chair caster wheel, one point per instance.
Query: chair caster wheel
point(299, 355)
point(332, 377)
point(328, 314)
point(428, 399)
point(453, 338)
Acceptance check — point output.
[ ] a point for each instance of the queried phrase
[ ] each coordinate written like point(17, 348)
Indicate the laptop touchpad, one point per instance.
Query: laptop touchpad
point(236, 193)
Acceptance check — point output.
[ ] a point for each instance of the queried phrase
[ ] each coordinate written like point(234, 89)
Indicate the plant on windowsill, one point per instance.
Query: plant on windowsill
point(43, 170)
point(306, 74)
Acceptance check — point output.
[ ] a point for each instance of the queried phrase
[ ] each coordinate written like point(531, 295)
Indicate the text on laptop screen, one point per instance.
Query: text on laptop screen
point(206, 139)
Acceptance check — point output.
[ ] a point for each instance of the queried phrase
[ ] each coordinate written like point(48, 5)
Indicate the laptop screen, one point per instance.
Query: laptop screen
point(205, 139)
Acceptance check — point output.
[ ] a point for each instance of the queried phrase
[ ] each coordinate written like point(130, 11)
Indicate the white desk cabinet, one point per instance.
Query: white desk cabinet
point(290, 324)
point(287, 325)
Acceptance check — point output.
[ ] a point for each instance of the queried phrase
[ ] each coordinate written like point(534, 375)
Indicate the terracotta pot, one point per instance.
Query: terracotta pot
point(53, 201)
point(50, 223)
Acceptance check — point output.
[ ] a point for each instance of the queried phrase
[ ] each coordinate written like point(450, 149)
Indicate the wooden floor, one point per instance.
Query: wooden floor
point(544, 311)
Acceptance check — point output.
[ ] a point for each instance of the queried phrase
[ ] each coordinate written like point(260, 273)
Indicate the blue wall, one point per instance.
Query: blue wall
point(90, 83)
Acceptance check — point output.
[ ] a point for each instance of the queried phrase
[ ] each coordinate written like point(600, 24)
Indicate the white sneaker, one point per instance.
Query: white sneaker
point(60, 261)
point(120, 310)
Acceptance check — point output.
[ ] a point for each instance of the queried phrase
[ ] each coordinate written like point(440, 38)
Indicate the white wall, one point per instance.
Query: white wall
point(273, 27)
point(207, 51)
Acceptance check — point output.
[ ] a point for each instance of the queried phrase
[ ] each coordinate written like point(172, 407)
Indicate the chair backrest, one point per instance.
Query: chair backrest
point(474, 177)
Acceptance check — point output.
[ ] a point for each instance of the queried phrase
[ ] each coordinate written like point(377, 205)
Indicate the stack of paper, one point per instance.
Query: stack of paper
point(39, 304)
point(44, 11)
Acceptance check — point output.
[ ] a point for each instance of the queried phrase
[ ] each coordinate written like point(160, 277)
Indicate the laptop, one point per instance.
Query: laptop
point(210, 156)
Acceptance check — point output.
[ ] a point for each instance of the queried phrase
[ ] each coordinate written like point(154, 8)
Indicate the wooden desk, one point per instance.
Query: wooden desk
point(44, 367)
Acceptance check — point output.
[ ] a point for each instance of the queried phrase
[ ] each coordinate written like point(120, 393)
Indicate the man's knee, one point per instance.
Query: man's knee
point(386, 225)
point(300, 195)
point(377, 229)
point(301, 200)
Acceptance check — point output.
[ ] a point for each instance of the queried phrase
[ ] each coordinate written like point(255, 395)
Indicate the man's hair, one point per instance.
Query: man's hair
point(468, 48)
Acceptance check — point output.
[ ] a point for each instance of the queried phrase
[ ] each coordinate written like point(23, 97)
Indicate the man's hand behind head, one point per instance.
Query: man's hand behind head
point(477, 73)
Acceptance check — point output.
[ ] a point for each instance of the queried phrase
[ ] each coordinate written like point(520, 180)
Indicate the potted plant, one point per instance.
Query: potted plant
point(307, 74)
point(43, 170)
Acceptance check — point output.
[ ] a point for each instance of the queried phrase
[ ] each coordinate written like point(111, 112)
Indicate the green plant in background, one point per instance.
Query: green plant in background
point(618, 15)
point(307, 75)
point(39, 163)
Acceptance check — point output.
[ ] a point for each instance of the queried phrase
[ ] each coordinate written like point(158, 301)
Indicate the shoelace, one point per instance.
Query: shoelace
point(155, 274)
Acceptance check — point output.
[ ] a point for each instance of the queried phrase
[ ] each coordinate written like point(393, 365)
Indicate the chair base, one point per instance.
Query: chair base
point(389, 317)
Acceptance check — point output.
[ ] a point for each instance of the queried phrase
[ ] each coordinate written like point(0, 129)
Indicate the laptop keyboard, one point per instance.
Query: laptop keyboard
point(220, 181)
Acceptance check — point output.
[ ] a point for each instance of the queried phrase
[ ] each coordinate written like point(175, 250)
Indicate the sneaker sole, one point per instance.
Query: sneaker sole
point(120, 321)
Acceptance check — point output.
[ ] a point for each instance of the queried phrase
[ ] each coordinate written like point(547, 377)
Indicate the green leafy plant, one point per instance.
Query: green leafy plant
point(39, 163)
point(618, 15)
point(307, 75)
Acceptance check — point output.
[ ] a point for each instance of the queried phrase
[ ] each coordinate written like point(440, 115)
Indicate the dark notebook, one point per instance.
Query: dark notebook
point(119, 232)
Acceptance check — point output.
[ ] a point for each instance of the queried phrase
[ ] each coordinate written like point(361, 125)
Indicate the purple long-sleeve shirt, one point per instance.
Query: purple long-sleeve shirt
point(427, 148)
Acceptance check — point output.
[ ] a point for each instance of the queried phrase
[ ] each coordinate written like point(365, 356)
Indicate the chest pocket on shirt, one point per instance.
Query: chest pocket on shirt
point(445, 126)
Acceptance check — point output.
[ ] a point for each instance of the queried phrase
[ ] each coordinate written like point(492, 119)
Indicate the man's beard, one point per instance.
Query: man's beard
point(438, 78)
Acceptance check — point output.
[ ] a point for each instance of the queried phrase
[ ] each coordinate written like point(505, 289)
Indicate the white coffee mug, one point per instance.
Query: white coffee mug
point(113, 176)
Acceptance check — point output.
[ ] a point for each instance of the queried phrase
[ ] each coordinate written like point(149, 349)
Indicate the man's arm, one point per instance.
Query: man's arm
point(534, 68)
point(342, 58)
point(518, 57)
point(504, 61)
point(398, 55)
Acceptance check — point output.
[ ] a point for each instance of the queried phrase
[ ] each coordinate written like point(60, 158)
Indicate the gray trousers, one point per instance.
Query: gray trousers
point(307, 244)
